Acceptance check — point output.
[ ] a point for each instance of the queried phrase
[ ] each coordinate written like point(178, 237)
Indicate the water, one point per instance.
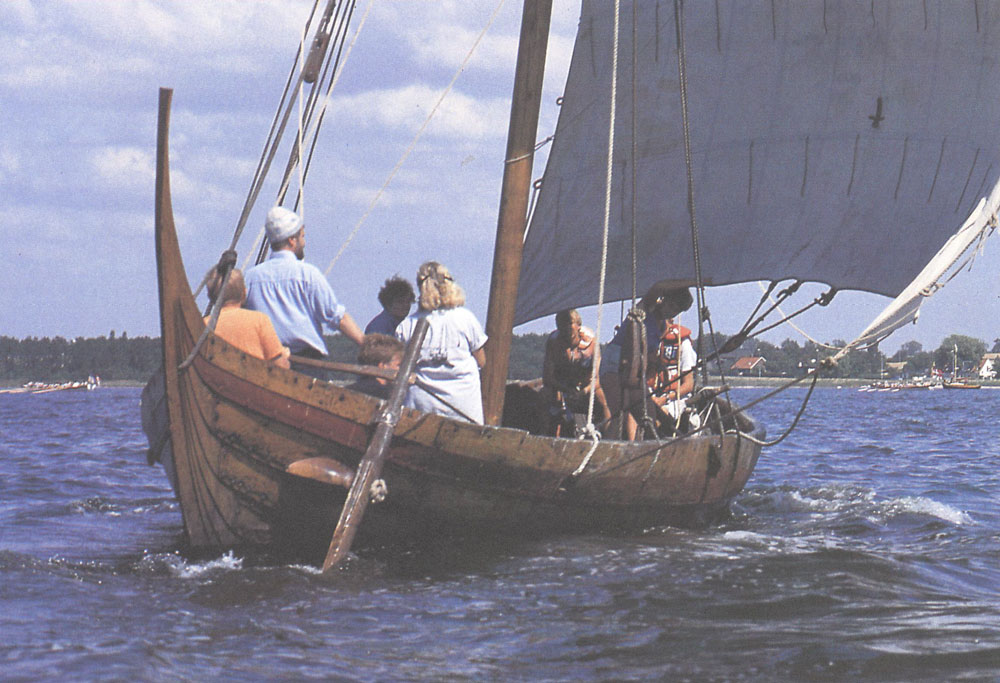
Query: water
point(865, 547)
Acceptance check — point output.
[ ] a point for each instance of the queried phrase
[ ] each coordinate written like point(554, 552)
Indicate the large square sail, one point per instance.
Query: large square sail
point(836, 141)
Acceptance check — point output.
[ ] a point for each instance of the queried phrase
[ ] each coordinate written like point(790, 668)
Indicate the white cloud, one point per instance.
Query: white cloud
point(89, 45)
point(448, 45)
point(23, 12)
point(220, 25)
point(10, 163)
point(130, 172)
point(123, 166)
point(442, 33)
point(459, 116)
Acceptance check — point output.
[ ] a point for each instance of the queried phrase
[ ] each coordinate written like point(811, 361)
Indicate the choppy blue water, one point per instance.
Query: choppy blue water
point(865, 547)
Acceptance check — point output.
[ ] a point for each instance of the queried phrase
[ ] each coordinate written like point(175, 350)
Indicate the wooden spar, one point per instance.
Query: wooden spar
point(310, 70)
point(514, 193)
point(371, 464)
point(351, 368)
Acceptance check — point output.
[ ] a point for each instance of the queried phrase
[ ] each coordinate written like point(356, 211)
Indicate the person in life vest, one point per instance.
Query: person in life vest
point(671, 380)
point(570, 357)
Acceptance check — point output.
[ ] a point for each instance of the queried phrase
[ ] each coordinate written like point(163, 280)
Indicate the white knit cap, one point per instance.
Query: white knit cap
point(281, 224)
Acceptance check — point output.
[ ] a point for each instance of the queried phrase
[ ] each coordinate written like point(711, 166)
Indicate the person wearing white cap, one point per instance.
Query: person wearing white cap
point(294, 293)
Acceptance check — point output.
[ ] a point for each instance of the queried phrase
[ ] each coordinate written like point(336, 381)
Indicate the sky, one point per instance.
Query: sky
point(78, 101)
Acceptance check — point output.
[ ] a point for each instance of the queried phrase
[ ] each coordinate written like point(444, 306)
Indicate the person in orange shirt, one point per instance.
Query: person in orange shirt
point(249, 331)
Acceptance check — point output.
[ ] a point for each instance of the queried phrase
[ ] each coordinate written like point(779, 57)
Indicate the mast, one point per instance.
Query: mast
point(514, 193)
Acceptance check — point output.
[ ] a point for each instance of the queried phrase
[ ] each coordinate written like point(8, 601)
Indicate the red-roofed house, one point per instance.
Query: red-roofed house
point(749, 365)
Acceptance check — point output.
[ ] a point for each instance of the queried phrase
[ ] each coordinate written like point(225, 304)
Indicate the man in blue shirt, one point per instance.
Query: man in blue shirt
point(294, 293)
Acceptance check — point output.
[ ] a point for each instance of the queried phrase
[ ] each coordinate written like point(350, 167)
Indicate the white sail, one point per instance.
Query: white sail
point(837, 141)
point(905, 308)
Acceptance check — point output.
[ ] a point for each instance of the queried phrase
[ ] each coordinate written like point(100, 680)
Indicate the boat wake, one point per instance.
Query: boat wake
point(850, 501)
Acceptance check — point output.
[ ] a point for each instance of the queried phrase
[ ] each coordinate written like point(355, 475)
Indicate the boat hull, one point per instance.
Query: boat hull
point(228, 426)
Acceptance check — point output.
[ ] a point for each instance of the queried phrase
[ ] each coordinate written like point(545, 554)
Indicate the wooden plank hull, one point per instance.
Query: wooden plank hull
point(229, 425)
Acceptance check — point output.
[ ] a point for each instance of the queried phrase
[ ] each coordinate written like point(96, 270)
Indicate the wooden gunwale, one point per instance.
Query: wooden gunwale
point(315, 414)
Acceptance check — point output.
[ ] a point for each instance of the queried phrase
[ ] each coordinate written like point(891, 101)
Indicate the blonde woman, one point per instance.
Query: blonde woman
point(447, 373)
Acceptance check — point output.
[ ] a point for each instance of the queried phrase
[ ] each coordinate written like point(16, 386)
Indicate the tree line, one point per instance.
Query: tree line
point(956, 354)
point(58, 359)
point(122, 357)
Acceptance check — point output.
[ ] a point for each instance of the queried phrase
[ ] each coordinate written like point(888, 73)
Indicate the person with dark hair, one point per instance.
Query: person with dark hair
point(249, 331)
point(447, 371)
point(669, 363)
point(571, 354)
point(396, 297)
point(296, 294)
point(382, 351)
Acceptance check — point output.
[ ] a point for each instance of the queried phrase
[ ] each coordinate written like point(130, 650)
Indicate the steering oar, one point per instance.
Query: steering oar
point(371, 464)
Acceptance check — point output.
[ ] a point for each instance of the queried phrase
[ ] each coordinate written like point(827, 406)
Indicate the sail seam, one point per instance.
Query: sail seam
point(854, 163)
point(805, 170)
point(937, 170)
point(902, 165)
point(961, 197)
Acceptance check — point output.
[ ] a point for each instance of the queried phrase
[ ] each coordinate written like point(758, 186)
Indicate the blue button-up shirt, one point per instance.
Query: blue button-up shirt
point(383, 323)
point(297, 297)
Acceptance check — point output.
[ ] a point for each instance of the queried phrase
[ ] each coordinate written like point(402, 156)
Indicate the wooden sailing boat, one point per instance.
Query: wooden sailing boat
point(260, 456)
point(235, 425)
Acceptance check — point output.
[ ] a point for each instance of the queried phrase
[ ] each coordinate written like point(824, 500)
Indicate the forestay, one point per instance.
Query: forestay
point(838, 141)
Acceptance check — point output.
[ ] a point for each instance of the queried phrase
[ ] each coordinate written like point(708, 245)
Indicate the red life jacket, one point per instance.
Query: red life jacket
point(666, 365)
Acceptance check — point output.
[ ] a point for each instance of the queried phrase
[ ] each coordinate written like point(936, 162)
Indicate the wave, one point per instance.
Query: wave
point(850, 499)
point(926, 506)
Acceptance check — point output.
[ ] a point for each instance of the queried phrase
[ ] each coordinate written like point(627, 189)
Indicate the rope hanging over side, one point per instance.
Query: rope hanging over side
point(607, 209)
point(590, 431)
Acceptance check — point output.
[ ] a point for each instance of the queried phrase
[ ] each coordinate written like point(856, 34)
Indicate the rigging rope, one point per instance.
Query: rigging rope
point(607, 223)
point(300, 198)
point(226, 262)
point(646, 422)
point(655, 450)
point(332, 72)
point(787, 319)
point(273, 137)
point(635, 191)
point(334, 67)
point(682, 82)
point(416, 138)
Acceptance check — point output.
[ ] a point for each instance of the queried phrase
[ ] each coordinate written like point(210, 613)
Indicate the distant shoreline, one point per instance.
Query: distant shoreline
point(10, 383)
point(714, 380)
